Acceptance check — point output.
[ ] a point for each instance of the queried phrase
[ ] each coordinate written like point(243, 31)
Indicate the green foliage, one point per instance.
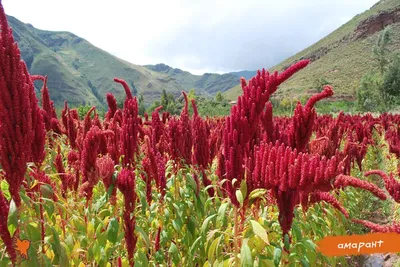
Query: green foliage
point(391, 80)
point(380, 50)
point(369, 96)
point(320, 83)
point(142, 107)
point(210, 107)
point(377, 88)
point(83, 110)
point(219, 97)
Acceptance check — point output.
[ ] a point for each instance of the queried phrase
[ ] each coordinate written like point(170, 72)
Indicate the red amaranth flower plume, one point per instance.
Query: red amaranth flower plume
point(105, 170)
point(127, 184)
point(4, 233)
point(157, 243)
point(344, 181)
point(242, 131)
point(391, 184)
point(112, 106)
point(303, 119)
point(394, 228)
point(48, 106)
point(21, 133)
point(201, 146)
point(90, 151)
point(318, 196)
point(154, 166)
point(130, 126)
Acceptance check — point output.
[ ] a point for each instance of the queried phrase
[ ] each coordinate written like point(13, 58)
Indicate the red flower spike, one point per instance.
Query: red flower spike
point(126, 87)
point(130, 127)
point(318, 196)
point(391, 184)
point(21, 122)
point(126, 184)
point(344, 181)
point(112, 106)
point(89, 154)
point(105, 170)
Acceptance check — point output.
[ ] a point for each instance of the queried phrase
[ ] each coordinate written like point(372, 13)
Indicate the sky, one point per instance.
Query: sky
point(199, 36)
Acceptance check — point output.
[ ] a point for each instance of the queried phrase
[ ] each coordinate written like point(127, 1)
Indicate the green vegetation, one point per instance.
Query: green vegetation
point(379, 88)
point(205, 105)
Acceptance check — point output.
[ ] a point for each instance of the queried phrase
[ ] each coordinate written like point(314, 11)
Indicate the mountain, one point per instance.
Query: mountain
point(81, 73)
point(341, 57)
point(206, 84)
point(247, 74)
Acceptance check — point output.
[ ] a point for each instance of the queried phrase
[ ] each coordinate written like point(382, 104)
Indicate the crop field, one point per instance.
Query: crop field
point(248, 189)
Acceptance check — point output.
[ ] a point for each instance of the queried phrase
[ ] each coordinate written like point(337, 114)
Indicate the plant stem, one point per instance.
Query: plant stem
point(236, 236)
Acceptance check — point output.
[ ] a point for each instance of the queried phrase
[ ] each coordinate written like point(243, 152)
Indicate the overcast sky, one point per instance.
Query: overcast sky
point(198, 35)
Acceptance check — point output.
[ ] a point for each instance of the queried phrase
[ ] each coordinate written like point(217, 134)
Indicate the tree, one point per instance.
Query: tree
point(164, 98)
point(219, 97)
point(380, 50)
point(391, 80)
point(83, 110)
point(142, 108)
point(192, 94)
point(372, 94)
point(369, 93)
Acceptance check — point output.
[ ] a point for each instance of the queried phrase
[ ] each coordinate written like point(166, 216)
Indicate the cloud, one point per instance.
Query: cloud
point(198, 35)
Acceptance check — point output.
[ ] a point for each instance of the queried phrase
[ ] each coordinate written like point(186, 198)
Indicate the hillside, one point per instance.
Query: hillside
point(343, 56)
point(82, 73)
point(206, 84)
point(247, 74)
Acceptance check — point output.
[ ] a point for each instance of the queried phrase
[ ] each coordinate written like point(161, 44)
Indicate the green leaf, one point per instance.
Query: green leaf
point(99, 203)
point(173, 250)
point(310, 245)
point(48, 206)
point(246, 260)
point(212, 249)
point(112, 230)
point(206, 222)
point(222, 214)
point(239, 197)
point(196, 243)
point(297, 232)
point(12, 218)
point(5, 189)
point(259, 231)
point(177, 225)
point(47, 191)
point(286, 241)
point(96, 252)
point(144, 235)
point(277, 256)
point(142, 259)
point(191, 226)
point(257, 193)
point(33, 232)
point(304, 263)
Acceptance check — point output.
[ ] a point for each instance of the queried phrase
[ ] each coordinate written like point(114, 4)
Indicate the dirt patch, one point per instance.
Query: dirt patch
point(376, 23)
